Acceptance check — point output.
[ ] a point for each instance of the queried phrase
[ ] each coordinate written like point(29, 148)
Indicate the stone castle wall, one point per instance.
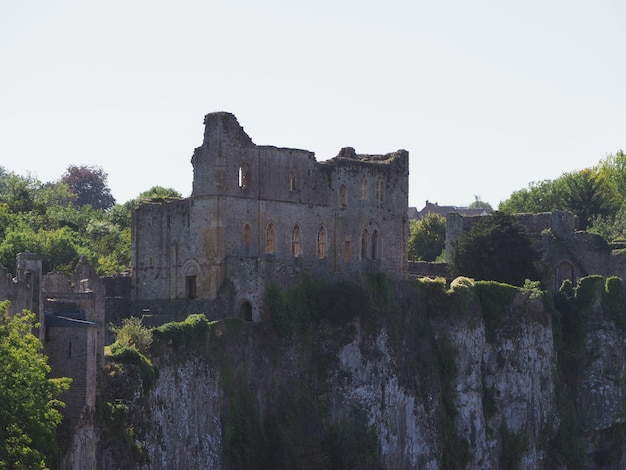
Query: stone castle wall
point(257, 212)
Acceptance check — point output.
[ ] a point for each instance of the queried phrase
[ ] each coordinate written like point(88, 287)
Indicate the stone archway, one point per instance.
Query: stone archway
point(564, 270)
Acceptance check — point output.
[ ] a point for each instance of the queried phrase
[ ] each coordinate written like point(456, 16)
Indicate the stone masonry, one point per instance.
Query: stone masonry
point(259, 214)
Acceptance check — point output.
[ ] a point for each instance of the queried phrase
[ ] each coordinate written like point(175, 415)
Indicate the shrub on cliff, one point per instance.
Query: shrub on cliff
point(133, 334)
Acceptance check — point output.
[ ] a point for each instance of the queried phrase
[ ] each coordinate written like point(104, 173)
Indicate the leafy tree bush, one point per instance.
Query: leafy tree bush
point(133, 334)
point(89, 184)
point(588, 193)
point(427, 238)
point(496, 248)
point(28, 397)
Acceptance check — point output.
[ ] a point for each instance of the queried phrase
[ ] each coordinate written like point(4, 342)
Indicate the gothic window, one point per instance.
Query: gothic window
point(293, 181)
point(375, 247)
point(295, 241)
point(347, 252)
point(244, 176)
point(246, 234)
point(270, 235)
point(321, 243)
point(342, 195)
point(364, 189)
point(365, 243)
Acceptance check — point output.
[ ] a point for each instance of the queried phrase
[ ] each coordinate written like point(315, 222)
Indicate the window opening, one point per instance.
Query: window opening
point(365, 241)
point(293, 181)
point(190, 283)
point(321, 243)
point(379, 190)
point(245, 311)
point(364, 189)
point(243, 177)
point(270, 234)
point(342, 195)
point(375, 244)
point(347, 251)
point(295, 241)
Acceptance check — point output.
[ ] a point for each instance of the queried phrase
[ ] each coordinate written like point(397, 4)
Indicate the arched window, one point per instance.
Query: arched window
point(365, 243)
point(244, 176)
point(321, 243)
point(191, 270)
point(247, 234)
point(342, 195)
point(295, 241)
point(293, 181)
point(347, 250)
point(270, 236)
point(375, 248)
point(364, 189)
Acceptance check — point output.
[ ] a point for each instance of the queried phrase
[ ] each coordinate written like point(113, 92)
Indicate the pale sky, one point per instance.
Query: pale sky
point(486, 96)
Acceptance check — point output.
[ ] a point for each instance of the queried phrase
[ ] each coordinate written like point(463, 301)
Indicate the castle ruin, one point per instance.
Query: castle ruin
point(259, 214)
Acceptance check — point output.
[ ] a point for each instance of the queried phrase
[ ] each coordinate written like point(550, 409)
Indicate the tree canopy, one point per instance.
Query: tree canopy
point(596, 193)
point(496, 248)
point(427, 238)
point(89, 184)
point(29, 405)
point(44, 218)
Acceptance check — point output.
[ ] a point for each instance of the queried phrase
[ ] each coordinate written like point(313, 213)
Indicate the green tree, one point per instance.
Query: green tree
point(18, 239)
point(610, 228)
point(133, 334)
point(29, 406)
point(586, 193)
point(590, 194)
point(427, 238)
point(542, 196)
point(496, 248)
point(613, 168)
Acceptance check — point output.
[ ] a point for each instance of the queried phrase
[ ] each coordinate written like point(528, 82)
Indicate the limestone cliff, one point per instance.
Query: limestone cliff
point(477, 376)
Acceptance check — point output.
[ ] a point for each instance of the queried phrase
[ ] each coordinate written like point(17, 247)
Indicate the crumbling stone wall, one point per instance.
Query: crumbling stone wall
point(71, 310)
point(257, 213)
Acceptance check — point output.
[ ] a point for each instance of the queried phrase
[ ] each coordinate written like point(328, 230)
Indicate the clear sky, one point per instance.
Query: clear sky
point(486, 96)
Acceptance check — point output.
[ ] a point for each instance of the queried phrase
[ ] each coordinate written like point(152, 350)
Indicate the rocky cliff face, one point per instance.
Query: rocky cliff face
point(480, 376)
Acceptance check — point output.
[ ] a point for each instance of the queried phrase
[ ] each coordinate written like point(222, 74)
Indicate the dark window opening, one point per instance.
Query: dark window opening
point(190, 282)
point(245, 311)
point(375, 245)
